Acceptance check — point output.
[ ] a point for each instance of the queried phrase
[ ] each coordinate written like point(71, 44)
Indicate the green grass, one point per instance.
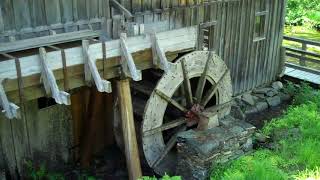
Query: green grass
point(296, 137)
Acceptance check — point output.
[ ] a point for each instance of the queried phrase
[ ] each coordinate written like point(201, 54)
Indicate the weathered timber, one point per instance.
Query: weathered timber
point(128, 130)
point(140, 47)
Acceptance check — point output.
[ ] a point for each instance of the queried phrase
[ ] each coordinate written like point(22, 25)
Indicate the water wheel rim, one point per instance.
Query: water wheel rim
point(194, 64)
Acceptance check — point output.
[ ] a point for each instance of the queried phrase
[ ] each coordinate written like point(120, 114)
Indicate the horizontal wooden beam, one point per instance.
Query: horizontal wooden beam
point(300, 40)
point(121, 8)
point(47, 40)
point(306, 69)
point(313, 60)
point(171, 42)
point(302, 52)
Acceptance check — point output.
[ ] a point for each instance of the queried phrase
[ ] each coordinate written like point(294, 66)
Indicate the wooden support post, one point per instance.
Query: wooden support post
point(302, 59)
point(10, 109)
point(92, 72)
point(159, 57)
point(128, 66)
point(128, 129)
point(49, 81)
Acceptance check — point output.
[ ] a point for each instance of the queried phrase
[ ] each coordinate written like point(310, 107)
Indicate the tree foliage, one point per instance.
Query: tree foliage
point(303, 12)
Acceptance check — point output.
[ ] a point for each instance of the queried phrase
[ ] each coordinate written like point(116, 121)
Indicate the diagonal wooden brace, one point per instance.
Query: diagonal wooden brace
point(159, 57)
point(128, 66)
point(11, 110)
point(91, 70)
point(49, 81)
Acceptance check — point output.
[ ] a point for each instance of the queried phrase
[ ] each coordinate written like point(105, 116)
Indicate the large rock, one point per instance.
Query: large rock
point(284, 96)
point(251, 110)
point(199, 150)
point(272, 93)
point(237, 113)
point(277, 85)
point(261, 106)
point(274, 101)
point(248, 98)
point(262, 90)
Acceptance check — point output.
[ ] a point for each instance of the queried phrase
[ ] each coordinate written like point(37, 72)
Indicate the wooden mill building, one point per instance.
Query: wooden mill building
point(62, 64)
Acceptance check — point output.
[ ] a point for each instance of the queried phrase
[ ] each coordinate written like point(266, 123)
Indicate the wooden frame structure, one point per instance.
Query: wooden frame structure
point(55, 52)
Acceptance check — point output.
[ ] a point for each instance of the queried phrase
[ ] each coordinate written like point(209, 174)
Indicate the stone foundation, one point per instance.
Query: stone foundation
point(198, 151)
point(262, 98)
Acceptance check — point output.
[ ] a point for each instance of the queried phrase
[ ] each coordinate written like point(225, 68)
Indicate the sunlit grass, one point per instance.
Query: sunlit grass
point(308, 174)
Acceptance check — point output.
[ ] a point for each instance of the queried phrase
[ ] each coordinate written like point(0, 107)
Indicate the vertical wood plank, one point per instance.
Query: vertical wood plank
point(21, 14)
point(276, 46)
point(136, 6)
point(249, 78)
point(1, 20)
point(267, 42)
point(38, 13)
point(218, 27)
point(236, 52)
point(223, 30)
point(75, 10)
point(272, 39)
point(8, 14)
point(244, 41)
point(178, 15)
point(66, 11)
point(50, 134)
point(128, 130)
point(53, 11)
point(228, 30)
point(21, 143)
point(79, 103)
point(147, 7)
point(156, 5)
point(92, 6)
point(281, 56)
point(7, 142)
point(91, 132)
point(82, 10)
point(165, 16)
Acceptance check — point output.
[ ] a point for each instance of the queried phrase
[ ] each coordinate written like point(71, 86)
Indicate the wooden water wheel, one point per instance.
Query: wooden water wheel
point(196, 91)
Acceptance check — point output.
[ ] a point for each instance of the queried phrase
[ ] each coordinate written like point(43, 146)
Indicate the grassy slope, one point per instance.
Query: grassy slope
point(296, 137)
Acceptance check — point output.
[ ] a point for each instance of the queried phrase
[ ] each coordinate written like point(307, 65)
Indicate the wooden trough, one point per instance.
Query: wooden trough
point(64, 73)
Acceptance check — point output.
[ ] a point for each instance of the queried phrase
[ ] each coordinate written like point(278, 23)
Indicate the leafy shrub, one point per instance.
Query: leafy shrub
point(302, 93)
point(41, 172)
point(300, 12)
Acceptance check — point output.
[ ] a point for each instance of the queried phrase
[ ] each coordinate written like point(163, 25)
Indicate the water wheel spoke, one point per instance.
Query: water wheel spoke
point(212, 90)
point(166, 126)
point(202, 79)
point(171, 143)
point(215, 109)
point(187, 85)
point(171, 101)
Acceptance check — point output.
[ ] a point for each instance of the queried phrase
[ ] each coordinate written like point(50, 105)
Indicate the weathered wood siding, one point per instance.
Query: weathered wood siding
point(22, 19)
point(43, 136)
point(253, 61)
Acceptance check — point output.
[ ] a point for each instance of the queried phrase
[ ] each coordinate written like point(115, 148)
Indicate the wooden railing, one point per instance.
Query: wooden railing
point(302, 54)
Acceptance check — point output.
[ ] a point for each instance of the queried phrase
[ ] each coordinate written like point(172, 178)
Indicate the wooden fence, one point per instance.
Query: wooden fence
point(303, 55)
